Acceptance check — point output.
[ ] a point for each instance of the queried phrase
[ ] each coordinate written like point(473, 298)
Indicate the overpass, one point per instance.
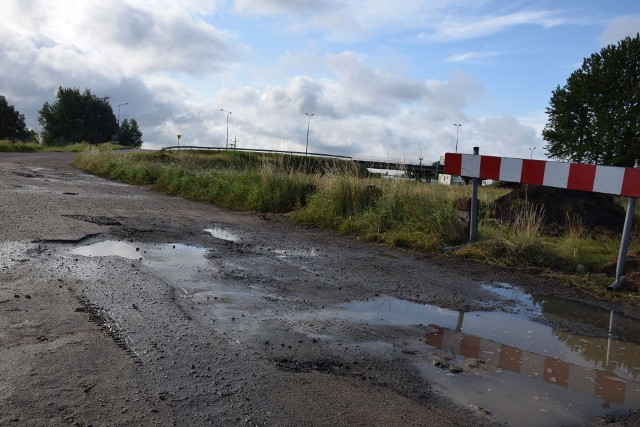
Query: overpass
point(414, 170)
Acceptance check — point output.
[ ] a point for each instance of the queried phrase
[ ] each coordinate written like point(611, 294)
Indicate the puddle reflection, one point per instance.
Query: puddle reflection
point(549, 374)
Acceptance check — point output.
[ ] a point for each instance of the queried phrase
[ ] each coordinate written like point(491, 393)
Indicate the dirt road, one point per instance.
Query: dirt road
point(122, 306)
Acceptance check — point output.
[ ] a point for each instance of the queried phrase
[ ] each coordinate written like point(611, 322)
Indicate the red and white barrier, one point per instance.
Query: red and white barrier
point(572, 176)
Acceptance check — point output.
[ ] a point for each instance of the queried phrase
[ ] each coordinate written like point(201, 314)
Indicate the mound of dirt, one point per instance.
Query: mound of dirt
point(594, 213)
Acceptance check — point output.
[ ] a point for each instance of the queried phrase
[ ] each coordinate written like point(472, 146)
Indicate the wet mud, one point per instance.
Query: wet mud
point(120, 306)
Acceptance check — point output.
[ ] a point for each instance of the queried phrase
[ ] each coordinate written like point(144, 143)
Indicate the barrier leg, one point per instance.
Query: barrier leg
point(624, 243)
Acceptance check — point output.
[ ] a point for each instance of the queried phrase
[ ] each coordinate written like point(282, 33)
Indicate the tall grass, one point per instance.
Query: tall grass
point(232, 180)
point(402, 213)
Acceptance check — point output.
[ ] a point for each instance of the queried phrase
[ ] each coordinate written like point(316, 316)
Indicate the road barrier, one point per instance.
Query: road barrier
point(571, 176)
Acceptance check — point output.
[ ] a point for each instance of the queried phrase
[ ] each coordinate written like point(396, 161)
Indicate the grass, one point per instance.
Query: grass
point(236, 180)
point(334, 194)
point(31, 147)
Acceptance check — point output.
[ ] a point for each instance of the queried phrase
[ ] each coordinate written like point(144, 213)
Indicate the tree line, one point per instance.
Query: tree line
point(73, 117)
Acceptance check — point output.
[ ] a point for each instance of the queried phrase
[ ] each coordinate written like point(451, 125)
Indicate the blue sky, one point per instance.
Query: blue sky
point(384, 79)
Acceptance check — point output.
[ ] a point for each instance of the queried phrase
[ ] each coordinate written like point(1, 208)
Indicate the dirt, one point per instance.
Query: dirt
point(561, 209)
point(237, 337)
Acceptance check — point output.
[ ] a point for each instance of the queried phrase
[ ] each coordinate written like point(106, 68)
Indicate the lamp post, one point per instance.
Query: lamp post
point(179, 136)
point(457, 125)
point(306, 150)
point(118, 133)
point(228, 113)
point(531, 149)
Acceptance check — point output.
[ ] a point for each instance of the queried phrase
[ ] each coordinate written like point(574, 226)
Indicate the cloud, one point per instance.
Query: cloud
point(271, 7)
point(467, 26)
point(472, 56)
point(175, 69)
point(105, 46)
point(114, 39)
point(619, 28)
point(436, 21)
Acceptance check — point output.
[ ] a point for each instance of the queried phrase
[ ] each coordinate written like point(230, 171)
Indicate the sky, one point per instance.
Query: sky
point(382, 79)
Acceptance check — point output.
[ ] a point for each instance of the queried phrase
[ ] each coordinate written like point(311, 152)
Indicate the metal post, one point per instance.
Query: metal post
point(624, 243)
point(226, 147)
point(473, 227)
point(306, 150)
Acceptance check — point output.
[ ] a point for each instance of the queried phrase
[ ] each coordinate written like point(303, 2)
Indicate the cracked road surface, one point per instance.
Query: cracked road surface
point(122, 306)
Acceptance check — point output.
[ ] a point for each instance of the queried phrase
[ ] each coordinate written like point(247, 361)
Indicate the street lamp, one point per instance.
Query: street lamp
point(306, 151)
point(120, 105)
point(531, 149)
point(228, 113)
point(457, 125)
point(179, 136)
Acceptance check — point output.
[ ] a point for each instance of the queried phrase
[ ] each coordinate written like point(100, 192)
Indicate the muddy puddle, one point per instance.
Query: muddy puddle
point(514, 369)
point(519, 367)
point(170, 260)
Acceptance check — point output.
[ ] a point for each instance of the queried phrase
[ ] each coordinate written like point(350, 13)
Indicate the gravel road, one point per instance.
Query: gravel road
point(122, 306)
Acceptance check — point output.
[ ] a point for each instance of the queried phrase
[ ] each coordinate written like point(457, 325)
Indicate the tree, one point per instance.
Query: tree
point(12, 125)
point(130, 134)
point(593, 118)
point(76, 117)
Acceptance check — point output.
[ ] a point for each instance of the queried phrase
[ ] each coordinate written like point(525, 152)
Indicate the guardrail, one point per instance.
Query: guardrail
point(359, 159)
point(256, 150)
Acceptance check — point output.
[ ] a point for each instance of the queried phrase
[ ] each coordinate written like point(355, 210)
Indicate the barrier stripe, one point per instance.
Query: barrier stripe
point(572, 176)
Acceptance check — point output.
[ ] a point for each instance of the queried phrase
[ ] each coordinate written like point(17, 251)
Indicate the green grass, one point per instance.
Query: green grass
point(242, 181)
point(30, 147)
point(334, 194)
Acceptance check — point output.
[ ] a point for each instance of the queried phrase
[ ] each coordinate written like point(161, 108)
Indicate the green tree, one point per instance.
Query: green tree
point(12, 125)
point(76, 117)
point(130, 135)
point(593, 118)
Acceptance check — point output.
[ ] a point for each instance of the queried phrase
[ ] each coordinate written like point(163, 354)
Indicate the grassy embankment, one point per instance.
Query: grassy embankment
point(335, 195)
point(30, 147)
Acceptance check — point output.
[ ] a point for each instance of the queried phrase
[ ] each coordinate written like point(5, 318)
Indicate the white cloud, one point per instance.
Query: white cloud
point(472, 56)
point(352, 20)
point(468, 27)
point(271, 7)
point(619, 28)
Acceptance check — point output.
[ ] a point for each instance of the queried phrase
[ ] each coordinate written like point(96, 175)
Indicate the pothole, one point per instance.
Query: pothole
point(172, 260)
point(523, 372)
